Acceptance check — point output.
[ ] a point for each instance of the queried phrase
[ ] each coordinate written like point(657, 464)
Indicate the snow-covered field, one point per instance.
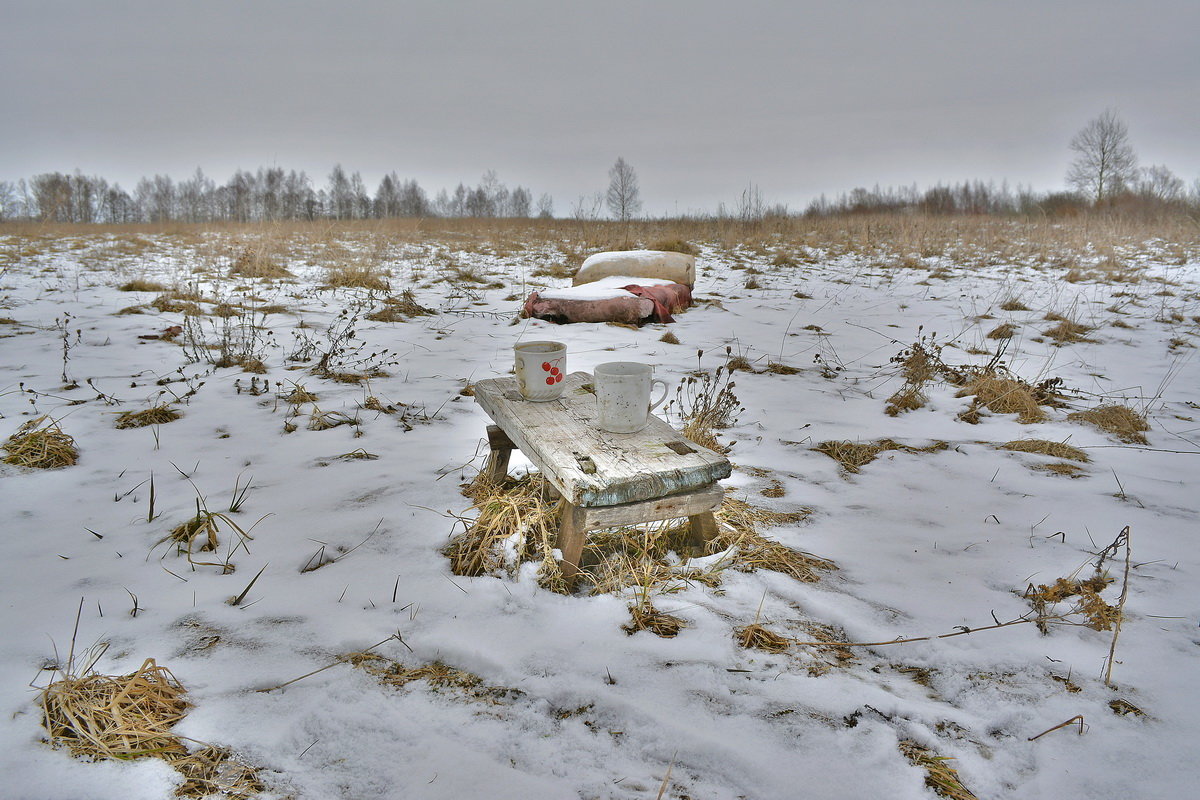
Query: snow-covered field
point(927, 543)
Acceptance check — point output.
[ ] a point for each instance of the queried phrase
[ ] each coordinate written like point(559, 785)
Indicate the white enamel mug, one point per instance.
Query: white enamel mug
point(623, 396)
point(541, 368)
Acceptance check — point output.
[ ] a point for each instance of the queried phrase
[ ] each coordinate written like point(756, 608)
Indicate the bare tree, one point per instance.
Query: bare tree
point(1159, 184)
point(1104, 161)
point(623, 195)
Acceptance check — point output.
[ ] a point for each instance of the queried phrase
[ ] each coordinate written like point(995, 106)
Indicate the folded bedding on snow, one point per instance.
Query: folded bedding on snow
point(618, 298)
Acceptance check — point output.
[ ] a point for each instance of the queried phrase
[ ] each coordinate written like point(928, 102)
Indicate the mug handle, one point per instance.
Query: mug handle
point(658, 402)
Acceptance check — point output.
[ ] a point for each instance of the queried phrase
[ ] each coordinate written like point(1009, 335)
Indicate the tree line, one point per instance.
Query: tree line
point(267, 195)
point(1104, 173)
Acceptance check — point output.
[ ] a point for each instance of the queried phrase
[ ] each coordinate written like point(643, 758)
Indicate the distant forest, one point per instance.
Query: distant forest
point(272, 194)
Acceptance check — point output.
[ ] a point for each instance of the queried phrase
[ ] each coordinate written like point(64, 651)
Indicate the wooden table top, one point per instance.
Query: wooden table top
point(592, 467)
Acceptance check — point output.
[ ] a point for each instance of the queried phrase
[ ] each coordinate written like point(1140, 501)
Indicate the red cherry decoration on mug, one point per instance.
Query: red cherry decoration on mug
point(549, 381)
point(546, 366)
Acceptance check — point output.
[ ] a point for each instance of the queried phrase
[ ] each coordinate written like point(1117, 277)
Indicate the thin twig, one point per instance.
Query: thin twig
point(965, 630)
point(1077, 718)
point(1112, 648)
point(340, 660)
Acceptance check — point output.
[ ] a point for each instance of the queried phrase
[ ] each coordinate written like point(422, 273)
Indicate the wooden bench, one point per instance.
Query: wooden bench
point(606, 479)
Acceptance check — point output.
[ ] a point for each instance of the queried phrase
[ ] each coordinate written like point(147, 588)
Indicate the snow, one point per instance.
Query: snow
point(603, 289)
point(925, 542)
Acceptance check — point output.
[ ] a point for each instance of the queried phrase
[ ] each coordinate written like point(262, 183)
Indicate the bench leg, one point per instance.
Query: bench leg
point(501, 448)
point(703, 529)
point(571, 534)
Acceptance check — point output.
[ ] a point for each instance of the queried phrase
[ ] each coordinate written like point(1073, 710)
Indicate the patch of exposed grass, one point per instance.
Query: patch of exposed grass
point(760, 637)
point(1121, 421)
point(1067, 332)
point(158, 415)
point(939, 776)
point(1013, 304)
point(142, 285)
point(399, 308)
point(1002, 396)
point(1003, 331)
point(1046, 448)
point(645, 617)
point(100, 717)
point(855, 455)
point(360, 276)
point(40, 444)
point(255, 262)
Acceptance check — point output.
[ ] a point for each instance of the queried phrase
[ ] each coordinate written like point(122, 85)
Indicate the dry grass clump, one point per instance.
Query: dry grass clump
point(675, 245)
point(1121, 421)
point(200, 534)
point(1046, 448)
point(1100, 615)
point(910, 397)
point(1067, 331)
point(1003, 331)
point(939, 776)
point(1003, 396)
point(299, 395)
point(1013, 304)
point(360, 276)
point(831, 652)
point(40, 444)
point(158, 415)
point(399, 308)
point(516, 520)
point(644, 616)
point(854, 455)
point(751, 551)
point(437, 674)
point(761, 638)
point(171, 304)
point(1061, 468)
point(103, 716)
point(131, 716)
point(669, 338)
point(251, 262)
point(779, 368)
point(141, 285)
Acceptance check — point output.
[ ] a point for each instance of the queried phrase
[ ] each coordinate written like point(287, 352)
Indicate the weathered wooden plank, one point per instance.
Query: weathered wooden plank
point(691, 505)
point(589, 466)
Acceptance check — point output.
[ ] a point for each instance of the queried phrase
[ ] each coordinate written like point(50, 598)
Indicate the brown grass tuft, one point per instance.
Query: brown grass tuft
point(141, 285)
point(761, 638)
point(1067, 332)
point(1085, 594)
point(645, 617)
point(669, 338)
point(1003, 331)
point(1013, 304)
point(250, 262)
point(939, 776)
point(1121, 421)
point(437, 674)
point(358, 276)
point(520, 514)
point(853, 455)
point(158, 415)
point(1046, 448)
point(1004, 396)
point(41, 444)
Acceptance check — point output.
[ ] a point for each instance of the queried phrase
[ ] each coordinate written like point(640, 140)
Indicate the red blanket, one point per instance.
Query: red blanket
point(648, 304)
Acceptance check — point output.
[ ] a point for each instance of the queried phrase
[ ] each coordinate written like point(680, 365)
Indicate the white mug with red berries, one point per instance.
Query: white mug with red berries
point(540, 368)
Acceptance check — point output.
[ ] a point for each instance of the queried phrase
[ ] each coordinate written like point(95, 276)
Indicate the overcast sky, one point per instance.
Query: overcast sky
point(701, 98)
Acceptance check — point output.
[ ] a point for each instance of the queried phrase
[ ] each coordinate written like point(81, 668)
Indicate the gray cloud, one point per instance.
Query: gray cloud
point(700, 97)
